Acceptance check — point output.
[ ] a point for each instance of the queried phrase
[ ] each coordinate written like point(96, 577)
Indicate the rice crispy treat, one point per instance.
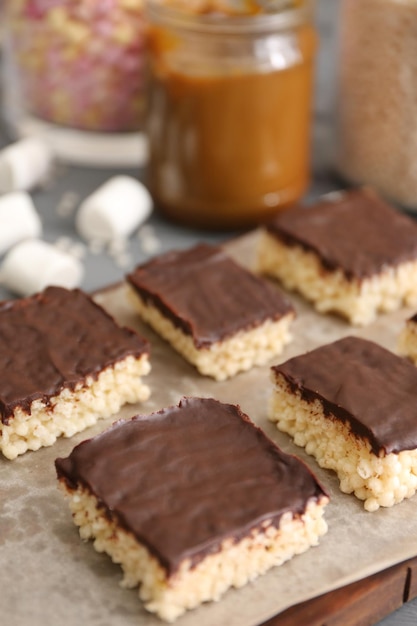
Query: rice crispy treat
point(407, 344)
point(350, 253)
point(218, 315)
point(65, 363)
point(352, 405)
point(190, 501)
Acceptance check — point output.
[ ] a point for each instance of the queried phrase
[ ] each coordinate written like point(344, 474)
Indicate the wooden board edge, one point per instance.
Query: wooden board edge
point(362, 603)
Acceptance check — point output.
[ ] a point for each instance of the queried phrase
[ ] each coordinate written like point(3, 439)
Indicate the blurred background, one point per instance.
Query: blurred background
point(58, 197)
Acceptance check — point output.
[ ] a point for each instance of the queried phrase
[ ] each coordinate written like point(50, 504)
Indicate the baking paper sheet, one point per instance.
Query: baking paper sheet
point(48, 576)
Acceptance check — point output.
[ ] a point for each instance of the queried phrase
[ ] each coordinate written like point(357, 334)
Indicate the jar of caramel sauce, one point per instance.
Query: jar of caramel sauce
point(229, 112)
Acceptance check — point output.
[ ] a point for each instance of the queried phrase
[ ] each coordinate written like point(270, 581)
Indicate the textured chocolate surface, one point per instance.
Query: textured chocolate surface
point(357, 233)
point(53, 340)
point(206, 294)
point(183, 479)
point(363, 384)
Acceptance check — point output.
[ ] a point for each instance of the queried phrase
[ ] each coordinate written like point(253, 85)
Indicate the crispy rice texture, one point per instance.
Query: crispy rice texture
point(407, 341)
point(357, 300)
point(223, 359)
point(234, 565)
point(377, 480)
point(70, 412)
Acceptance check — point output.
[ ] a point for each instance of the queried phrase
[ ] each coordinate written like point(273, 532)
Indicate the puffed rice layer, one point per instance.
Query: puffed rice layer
point(223, 359)
point(71, 411)
point(380, 481)
point(235, 564)
point(331, 291)
point(407, 341)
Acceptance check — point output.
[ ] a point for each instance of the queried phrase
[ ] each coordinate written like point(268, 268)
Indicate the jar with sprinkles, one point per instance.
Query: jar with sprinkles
point(74, 69)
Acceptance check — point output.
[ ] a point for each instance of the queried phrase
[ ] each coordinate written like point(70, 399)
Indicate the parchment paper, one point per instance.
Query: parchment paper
point(48, 576)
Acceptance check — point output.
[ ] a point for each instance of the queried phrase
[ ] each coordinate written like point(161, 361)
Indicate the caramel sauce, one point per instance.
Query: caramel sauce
point(227, 150)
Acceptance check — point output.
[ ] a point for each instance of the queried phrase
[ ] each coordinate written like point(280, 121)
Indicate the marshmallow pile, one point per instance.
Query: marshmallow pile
point(105, 220)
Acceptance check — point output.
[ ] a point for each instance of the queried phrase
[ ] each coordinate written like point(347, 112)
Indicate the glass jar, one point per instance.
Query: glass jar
point(377, 101)
point(229, 103)
point(73, 70)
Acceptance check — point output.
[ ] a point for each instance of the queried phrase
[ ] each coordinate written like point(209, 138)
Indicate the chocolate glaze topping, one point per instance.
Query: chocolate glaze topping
point(361, 383)
point(206, 294)
point(183, 479)
point(359, 233)
point(53, 340)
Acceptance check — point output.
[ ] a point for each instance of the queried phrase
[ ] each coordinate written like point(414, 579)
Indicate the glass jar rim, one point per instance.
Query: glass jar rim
point(216, 23)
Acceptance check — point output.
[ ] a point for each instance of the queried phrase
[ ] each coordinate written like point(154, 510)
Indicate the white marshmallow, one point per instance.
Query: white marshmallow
point(18, 219)
point(24, 164)
point(33, 265)
point(114, 210)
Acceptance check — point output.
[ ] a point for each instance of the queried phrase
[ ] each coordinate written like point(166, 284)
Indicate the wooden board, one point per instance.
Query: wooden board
point(360, 604)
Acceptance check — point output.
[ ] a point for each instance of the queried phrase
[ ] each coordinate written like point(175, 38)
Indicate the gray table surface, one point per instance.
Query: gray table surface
point(101, 269)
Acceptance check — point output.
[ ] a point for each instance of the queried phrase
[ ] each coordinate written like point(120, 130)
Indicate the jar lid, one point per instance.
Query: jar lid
point(276, 16)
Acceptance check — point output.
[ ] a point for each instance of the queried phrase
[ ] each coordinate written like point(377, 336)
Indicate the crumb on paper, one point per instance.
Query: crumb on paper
point(67, 204)
point(149, 242)
point(71, 247)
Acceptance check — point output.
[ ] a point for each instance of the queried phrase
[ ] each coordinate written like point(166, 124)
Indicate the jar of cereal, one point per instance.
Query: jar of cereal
point(377, 102)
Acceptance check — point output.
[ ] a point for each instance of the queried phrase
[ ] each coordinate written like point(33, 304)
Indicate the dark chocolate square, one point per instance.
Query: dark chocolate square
point(207, 294)
point(185, 478)
point(357, 232)
point(363, 384)
point(53, 340)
